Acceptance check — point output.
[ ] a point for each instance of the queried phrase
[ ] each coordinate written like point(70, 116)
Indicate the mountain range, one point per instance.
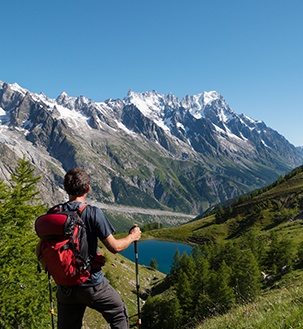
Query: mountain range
point(146, 150)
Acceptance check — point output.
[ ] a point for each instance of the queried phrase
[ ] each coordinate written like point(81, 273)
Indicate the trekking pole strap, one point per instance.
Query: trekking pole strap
point(52, 311)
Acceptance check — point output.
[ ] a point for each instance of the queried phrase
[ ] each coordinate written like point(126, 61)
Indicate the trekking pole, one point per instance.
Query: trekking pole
point(137, 284)
point(52, 312)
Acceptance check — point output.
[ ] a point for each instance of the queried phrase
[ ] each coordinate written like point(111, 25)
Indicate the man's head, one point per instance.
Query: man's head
point(76, 182)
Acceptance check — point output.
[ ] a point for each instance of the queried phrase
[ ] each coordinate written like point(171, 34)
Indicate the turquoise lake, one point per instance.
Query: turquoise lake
point(162, 251)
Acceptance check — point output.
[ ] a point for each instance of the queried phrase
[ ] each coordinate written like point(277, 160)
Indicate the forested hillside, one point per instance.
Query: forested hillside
point(242, 250)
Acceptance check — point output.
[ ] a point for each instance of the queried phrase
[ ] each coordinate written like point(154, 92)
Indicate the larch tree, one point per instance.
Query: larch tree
point(24, 295)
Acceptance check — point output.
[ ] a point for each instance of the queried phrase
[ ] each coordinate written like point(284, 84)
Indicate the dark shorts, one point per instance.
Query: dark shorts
point(72, 303)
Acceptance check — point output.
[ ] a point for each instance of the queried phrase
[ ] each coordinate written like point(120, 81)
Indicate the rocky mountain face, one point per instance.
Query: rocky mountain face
point(147, 150)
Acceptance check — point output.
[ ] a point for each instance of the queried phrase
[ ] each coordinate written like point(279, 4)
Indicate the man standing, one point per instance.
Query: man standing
point(96, 292)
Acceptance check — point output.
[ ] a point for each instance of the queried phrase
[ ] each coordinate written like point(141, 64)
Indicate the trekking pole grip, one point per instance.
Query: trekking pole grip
point(130, 230)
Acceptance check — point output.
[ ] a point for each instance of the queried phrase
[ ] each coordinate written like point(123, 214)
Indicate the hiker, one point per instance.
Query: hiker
point(96, 292)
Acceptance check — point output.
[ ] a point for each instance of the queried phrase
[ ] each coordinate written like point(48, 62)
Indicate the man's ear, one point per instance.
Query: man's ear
point(88, 189)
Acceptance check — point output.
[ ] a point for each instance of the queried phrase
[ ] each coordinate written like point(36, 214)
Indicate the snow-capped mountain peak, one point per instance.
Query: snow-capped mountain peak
point(210, 96)
point(211, 100)
point(150, 102)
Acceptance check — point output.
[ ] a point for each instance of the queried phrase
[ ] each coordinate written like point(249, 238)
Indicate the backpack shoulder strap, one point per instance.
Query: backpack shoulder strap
point(60, 207)
point(56, 208)
point(81, 208)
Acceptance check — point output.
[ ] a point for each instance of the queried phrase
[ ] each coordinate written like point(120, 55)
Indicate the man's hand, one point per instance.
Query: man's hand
point(135, 232)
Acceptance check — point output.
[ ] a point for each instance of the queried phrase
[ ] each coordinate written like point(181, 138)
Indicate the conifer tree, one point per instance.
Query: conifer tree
point(216, 253)
point(185, 296)
point(201, 276)
point(280, 255)
point(219, 215)
point(256, 243)
point(220, 290)
point(23, 299)
point(246, 276)
point(164, 313)
point(153, 263)
point(172, 277)
point(203, 303)
point(4, 197)
point(187, 265)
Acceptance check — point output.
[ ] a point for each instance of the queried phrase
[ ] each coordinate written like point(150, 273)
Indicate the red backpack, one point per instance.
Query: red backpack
point(64, 246)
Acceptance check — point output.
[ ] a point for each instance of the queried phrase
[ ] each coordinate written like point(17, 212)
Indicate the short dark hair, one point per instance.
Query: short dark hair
point(76, 181)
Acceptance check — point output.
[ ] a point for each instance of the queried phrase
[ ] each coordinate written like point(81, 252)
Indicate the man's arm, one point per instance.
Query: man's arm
point(116, 245)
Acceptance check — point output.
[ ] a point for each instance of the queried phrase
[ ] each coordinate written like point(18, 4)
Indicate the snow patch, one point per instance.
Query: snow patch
point(16, 87)
point(124, 128)
point(3, 116)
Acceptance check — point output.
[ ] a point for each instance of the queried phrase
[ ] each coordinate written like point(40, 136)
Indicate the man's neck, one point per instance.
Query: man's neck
point(77, 199)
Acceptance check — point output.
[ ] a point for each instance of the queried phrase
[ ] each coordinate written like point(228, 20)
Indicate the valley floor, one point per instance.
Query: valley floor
point(132, 210)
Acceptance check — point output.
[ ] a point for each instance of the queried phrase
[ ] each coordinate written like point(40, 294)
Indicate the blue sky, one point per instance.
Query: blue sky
point(250, 51)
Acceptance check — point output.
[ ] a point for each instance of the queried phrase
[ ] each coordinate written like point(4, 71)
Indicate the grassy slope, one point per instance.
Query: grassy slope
point(283, 194)
point(122, 274)
point(279, 308)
